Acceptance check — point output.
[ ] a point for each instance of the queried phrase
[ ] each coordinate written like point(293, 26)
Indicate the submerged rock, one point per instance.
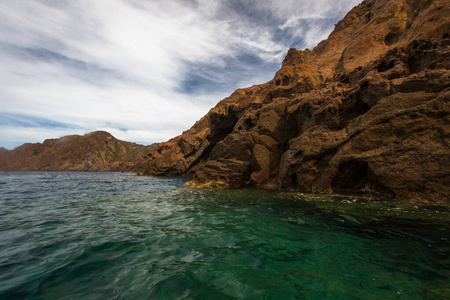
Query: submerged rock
point(365, 110)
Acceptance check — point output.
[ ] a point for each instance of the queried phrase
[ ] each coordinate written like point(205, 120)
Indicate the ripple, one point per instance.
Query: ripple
point(111, 235)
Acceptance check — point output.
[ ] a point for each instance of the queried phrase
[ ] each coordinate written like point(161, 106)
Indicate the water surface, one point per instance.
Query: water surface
point(72, 235)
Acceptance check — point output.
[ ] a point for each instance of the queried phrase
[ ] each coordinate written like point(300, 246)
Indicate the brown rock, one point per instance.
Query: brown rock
point(367, 110)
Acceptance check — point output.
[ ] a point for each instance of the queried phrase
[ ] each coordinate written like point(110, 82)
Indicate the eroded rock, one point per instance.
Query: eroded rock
point(367, 110)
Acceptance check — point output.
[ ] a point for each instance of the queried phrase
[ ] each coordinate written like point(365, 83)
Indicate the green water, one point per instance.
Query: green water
point(115, 236)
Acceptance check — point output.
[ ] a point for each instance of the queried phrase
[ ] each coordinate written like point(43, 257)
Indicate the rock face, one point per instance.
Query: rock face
point(96, 151)
point(365, 110)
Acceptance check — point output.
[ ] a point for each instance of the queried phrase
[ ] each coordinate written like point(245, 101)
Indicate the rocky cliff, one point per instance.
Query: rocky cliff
point(96, 151)
point(367, 110)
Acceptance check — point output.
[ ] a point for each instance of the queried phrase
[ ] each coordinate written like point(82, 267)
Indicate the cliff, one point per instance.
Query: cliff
point(96, 151)
point(367, 110)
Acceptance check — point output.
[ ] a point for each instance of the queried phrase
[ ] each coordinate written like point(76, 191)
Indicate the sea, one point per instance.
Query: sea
point(76, 235)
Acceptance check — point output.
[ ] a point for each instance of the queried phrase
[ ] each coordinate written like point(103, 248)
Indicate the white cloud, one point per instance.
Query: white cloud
point(121, 64)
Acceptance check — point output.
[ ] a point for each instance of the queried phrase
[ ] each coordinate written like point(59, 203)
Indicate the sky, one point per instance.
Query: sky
point(143, 70)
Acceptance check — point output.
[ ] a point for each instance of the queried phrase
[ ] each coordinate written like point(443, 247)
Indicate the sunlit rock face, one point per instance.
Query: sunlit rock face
point(365, 110)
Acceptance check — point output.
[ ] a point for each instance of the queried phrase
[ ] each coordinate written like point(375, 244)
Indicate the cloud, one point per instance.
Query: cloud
point(143, 70)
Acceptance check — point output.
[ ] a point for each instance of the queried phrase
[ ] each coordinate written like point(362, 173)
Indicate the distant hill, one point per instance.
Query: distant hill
point(95, 151)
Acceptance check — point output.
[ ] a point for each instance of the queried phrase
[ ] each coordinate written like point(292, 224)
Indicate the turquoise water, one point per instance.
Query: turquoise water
point(115, 236)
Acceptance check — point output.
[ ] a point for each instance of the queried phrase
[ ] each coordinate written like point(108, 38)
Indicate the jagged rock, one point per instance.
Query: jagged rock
point(365, 110)
point(95, 151)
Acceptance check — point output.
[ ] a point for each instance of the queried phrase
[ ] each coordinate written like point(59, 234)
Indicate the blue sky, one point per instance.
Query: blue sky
point(144, 70)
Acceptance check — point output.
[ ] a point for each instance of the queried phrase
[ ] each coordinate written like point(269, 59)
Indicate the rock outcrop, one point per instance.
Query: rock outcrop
point(367, 110)
point(95, 151)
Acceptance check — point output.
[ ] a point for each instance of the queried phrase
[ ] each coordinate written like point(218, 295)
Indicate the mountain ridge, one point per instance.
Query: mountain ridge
point(94, 151)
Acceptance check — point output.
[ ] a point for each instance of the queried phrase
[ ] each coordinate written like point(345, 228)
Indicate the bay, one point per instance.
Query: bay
point(75, 235)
